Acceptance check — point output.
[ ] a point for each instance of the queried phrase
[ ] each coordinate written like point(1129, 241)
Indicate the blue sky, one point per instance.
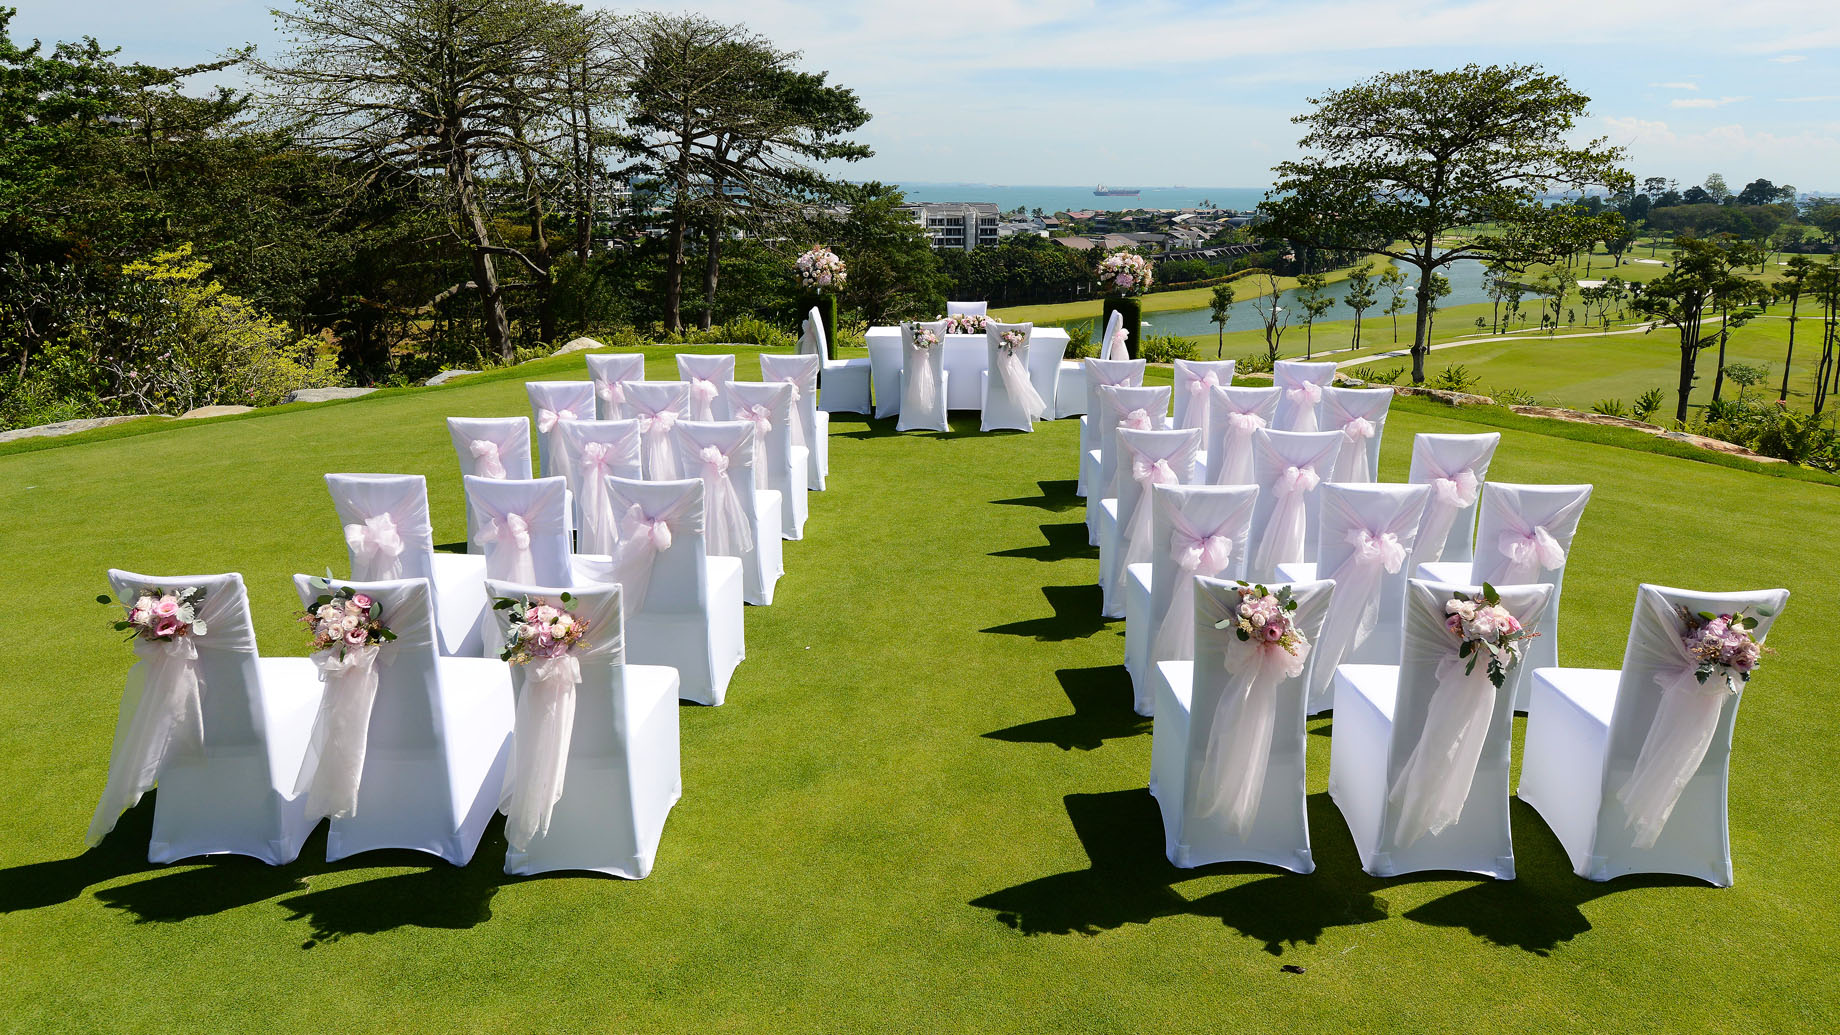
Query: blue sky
point(1159, 92)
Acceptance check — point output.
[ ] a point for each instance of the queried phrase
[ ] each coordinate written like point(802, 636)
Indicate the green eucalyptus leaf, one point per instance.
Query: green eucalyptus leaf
point(104, 599)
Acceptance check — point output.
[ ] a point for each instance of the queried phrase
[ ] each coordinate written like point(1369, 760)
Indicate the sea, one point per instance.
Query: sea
point(1073, 199)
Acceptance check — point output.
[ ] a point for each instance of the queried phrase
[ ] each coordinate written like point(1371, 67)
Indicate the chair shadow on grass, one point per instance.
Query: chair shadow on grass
point(122, 853)
point(1076, 616)
point(1063, 541)
point(1130, 881)
point(1057, 496)
point(884, 427)
point(1101, 699)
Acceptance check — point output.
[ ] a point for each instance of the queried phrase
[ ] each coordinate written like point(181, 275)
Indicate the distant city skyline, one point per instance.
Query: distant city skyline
point(1182, 91)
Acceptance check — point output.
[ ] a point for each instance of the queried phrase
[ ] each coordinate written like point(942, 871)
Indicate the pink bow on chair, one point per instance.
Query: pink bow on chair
point(1532, 551)
point(376, 548)
point(1137, 420)
point(1308, 392)
point(611, 391)
point(546, 419)
point(514, 530)
point(1193, 553)
point(655, 533)
point(486, 454)
point(714, 459)
point(703, 394)
point(1152, 472)
point(1245, 424)
point(1296, 481)
point(1359, 428)
point(661, 422)
point(1198, 385)
point(1383, 549)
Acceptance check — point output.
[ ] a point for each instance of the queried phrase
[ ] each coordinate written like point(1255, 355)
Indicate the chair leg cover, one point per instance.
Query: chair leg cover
point(703, 648)
point(1139, 633)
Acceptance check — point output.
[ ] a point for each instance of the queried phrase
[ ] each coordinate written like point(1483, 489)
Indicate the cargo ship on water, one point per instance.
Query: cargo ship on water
point(1114, 192)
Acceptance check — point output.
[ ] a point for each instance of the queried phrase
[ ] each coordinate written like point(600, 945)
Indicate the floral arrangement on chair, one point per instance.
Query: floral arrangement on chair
point(820, 268)
point(1723, 645)
point(966, 323)
point(1012, 340)
point(539, 630)
point(162, 615)
point(345, 620)
point(924, 337)
point(1265, 616)
point(1484, 626)
point(1124, 273)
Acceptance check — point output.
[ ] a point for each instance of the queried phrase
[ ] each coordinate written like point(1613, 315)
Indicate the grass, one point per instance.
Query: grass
point(1158, 301)
point(923, 807)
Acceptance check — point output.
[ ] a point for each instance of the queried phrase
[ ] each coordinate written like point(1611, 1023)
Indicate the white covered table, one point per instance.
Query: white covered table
point(966, 356)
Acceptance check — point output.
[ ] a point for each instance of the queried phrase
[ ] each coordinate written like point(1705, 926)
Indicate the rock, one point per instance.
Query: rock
point(578, 345)
point(1447, 398)
point(213, 411)
point(1701, 441)
point(67, 427)
point(447, 375)
point(320, 395)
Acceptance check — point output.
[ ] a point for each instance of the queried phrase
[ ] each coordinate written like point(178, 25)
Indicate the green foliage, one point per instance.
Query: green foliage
point(1079, 341)
point(1166, 348)
point(1647, 403)
point(1610, 408)
point(1800, 438)
point(745, 331)
point(1454, 378)
point(1507, 395)
point(1257, 362)
point(1375, 375)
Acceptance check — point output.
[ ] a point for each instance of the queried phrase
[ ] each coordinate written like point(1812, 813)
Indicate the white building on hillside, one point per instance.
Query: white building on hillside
point(957, 225)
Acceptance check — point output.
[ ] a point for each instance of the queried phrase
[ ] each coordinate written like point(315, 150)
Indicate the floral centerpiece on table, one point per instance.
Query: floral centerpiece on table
point(1485, 627)
point(966, 323)
point(344, 620)
point(162, 615)
point(539, 630)
point(1011, 340)
point(924, 337)
point(1124, 273)
point(820, 268)
point(1265, 617)
point(1723, 646)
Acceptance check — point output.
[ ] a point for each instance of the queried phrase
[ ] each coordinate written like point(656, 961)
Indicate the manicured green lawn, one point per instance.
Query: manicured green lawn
point(923, 807)
point(1156, 302)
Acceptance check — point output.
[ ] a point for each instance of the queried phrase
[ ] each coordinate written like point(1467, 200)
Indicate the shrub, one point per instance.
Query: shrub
point(1256, 362)
point(1509, 396)
point(1609, 408)
point(1374, 375)
point(1647, 403)
point(1454, 378)
point(1799, 438)
point(750, 331)
point(1079, 342)
point(1166, 348)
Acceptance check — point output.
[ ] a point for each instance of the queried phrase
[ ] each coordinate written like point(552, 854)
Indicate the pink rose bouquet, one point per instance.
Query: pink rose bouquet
point(820, 268)
point(1484, 626)
point(1124, 273)
point(161, 614)
point(539, 630)
point(1264, 617)
point(344, 620)
point(1723, 645)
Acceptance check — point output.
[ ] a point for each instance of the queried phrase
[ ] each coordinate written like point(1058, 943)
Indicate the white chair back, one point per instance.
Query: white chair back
point(656, 578)
point(1195, 381)
point(1108, 349)
point(812, 338)
point(596, 449)
point(1289, 468)
point(967, 309)
point(487, 446)
point(1113, 373)
point(923, 380)
point(1010, 401)
point(1455, 466)
point(657, 406)
point(385, 521)
point(610, 374)
point(721, 455)
point(1524, 534)
point(706, 375)
point(1365, 537)
point(768, 406)
point(1360, 415)
point(1233, 415)
point(554, 402)
point(1301, 384)
point(801, 372)
point(523, 527)
point(1193, 526)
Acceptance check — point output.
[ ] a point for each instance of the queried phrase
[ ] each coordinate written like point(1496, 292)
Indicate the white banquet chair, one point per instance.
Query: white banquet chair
point(1419, 761)
point(1145, 459)
point(967, 308)
point(1228, 746)
point(1365, 535)
point(553, 402)
point(429, 757)
point(1289, 467)
point(740, 519)
point(923, 380)
point(1455, 466)
point(609, 373)
point(1524, 534)
point(683, 607)
point(843, 383)
point(524, 529)
point(1196, 530)
point(621, 773)
point(1590, 731)
point(657, 406)
point(1095, 374)
point(595, 449)
point(1011, 402)
point(387, 536)
point(778, 464)
point(1233, 415)
point(1111, 346)
point(1145, 408)
point(1195, 381)
point(1300, 385)
point(490, 447)
point(1045, 359)
point(1360, 415)
point(221, 733)
point(706, 375)
point(813, 430)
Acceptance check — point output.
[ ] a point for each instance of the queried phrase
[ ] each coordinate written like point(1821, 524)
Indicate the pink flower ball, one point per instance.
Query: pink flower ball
point(1273, 632)
point(166, 606)
point(166, 627)
point(355, 637)
point(361, 600)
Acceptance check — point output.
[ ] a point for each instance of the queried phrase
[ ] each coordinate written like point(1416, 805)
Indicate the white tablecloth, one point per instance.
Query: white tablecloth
point(966, 355)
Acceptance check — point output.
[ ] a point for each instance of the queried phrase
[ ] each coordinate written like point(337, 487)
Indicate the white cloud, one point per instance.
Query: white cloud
point(1802, 157)
point(1787, 59)
point(1676, 86)
point(1704, 102)
point(1818, 99)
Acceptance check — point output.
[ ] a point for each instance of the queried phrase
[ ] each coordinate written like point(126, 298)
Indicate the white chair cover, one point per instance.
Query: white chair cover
point(1360, 415)
point(1010, 398)
point(1455, 466)
point(593, 766)
point(1233, 415)
point(1366, 535)
point(812, 429)
point(1146, 459)
point(554, 402)
point(416, 758)
point(1196, 530)
point(778, 465)
point(657, 406)
point(844, 383)
point(385, 518)
point(1113, 344)
point(523, 527)
point(490, 447)
point(217, 728)
point(706, 375)
point(1630, 768)
point(1228, 751)
point(610, 374)
point(1145, 408)
point(683, 607)
point(1419, 760)
point(1195, 381)
point(1300, 385)
point(740, 520)
point(1114, 373)
point(923, 381)
point(1287, 466)
point(596, 449)
point(967, 309)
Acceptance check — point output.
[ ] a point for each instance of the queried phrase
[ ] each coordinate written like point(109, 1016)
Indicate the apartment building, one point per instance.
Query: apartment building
point(957, 225)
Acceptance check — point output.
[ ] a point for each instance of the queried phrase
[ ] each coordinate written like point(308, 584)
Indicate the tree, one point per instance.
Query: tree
point(1557, 284)
point(1744, 375)
point(1716, 189)
point(1761, 192)
point(1274, 316)
point(1404, 163)
point(1394, 280)
point(1795, 280)
point(1705, 274)
point(1360, 298)
point(894, 272)
point(1310, 297)
point(1621, 240)
point(1220, 307)
point(1697, 196)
